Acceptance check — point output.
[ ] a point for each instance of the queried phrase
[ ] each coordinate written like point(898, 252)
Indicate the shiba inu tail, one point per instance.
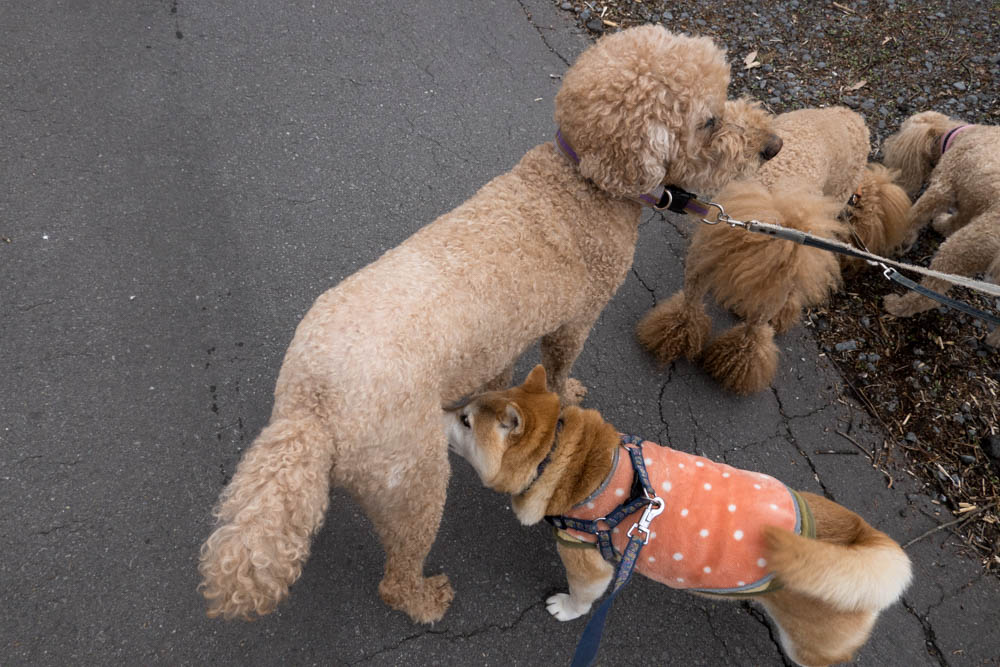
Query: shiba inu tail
point(267, 516)
point(851, 566)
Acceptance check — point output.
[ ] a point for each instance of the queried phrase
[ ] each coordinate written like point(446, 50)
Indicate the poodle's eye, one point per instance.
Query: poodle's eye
point(709, 124)
point(464, 418)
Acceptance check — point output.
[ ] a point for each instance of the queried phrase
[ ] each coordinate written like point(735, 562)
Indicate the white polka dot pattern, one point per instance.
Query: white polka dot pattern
point(709, 534)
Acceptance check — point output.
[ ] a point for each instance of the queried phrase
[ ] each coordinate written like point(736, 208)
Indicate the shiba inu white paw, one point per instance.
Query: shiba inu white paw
point(561, 606)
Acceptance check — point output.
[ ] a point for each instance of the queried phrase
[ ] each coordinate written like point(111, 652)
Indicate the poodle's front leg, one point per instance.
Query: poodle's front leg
point(559, 350)
point(967, 252)
point(502, 380)
point(936, 199)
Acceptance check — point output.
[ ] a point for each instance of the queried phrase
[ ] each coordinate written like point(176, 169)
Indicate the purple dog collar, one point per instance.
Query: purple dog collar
point(947, 139)
point(662, 198)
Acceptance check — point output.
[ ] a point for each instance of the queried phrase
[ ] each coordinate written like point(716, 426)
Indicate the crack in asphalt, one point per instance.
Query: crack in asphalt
point(527, 14)
point(792, 439)
point(664, 436)
point(762, 619)
point(930, 639)
point(642, 282)
point(452, 637)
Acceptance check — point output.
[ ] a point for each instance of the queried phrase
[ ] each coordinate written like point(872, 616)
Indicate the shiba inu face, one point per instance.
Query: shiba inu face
point(506, 434)
point(482, 430)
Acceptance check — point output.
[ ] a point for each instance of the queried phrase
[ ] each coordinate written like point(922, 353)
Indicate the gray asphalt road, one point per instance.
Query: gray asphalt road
point(180, 181)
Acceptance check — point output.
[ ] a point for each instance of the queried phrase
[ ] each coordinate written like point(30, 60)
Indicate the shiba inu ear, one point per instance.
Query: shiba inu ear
point(514, 420)
point(535, 382)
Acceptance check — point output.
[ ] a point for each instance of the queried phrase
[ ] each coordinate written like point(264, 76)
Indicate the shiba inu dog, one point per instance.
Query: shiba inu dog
point(821, 572)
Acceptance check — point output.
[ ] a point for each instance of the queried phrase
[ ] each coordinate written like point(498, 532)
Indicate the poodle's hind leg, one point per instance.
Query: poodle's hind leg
point(405, 506)
point(267, 516)
point(559, 350)
point(968, 251)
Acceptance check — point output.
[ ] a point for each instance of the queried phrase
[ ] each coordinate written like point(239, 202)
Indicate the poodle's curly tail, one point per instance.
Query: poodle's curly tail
point(854, 567)
point(267, 516)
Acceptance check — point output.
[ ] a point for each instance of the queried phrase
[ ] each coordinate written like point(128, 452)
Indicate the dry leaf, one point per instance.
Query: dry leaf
point(751, 60)
point(856, 86)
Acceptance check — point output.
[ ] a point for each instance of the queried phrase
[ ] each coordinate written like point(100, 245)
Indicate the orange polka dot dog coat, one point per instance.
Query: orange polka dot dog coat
point(709, 536)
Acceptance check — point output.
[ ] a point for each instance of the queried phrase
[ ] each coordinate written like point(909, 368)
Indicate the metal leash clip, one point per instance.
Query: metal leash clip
point(721, 217)
point(653, 510)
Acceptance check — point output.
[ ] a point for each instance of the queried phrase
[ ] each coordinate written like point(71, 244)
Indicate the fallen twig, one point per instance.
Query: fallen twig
point(962, 519)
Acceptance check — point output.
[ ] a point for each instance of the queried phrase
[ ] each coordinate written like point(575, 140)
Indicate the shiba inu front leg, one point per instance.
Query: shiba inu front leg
point(588, 575)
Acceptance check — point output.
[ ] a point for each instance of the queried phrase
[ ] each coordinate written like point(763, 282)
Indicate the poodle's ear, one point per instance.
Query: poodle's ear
point(632, 160)
point(535, 382)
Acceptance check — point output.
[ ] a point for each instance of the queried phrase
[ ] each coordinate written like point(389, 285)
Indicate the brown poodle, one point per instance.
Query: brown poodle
point(536, 253)
point(764, 281)
point(963, 164)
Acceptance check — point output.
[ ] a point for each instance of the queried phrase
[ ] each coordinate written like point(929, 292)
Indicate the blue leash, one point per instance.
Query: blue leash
point(638, 534)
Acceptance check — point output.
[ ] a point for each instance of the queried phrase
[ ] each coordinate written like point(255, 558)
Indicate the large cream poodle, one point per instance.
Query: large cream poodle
point(962, 164)
point(766, 282)
point(536, 253)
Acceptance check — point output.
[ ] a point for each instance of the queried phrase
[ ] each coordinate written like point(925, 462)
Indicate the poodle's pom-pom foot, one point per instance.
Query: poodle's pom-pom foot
point(907, 305)
point(744, 359)
point(424, 600)
point(573, 392)
point(675, 328)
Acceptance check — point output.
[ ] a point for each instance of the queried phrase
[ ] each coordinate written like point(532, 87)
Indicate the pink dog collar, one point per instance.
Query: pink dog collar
point(947, 139)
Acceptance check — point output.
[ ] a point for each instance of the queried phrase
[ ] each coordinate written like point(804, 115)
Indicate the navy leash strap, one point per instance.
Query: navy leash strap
point(895, 276)
point(590, 640)
point(638, 534)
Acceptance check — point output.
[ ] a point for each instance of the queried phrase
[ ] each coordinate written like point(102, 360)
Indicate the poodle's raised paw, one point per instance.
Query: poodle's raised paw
point(944, 224)
point(907, 305)
point(573, 392)
point(426, 602)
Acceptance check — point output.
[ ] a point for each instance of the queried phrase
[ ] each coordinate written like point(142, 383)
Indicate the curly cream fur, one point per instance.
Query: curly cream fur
point(764, 281)
point(966, 177)
point(536, 253)
point(879, 216)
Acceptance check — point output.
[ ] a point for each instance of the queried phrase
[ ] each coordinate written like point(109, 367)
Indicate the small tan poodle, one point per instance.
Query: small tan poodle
point(767, 282)
point(536, 253)
point(962, 162)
